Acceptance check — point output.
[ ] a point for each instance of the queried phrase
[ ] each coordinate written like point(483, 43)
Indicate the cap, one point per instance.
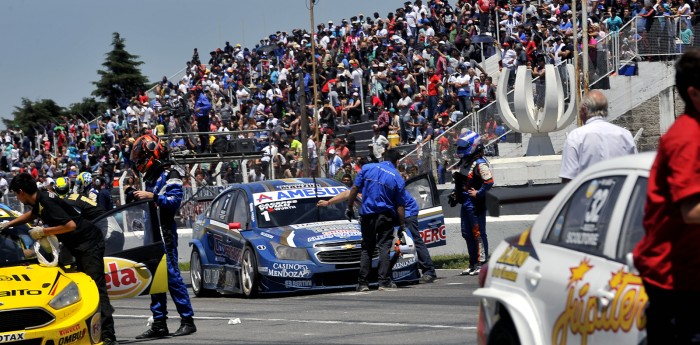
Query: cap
point(441, 42)
point(340, 65)
point(331, 151)
point(506, 44)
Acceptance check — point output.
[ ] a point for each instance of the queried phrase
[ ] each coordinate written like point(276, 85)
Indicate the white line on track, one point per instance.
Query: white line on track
point(325, 322)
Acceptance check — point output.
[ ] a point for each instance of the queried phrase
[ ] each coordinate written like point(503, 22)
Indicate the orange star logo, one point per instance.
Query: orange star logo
point(578, 272)
point(616, 279)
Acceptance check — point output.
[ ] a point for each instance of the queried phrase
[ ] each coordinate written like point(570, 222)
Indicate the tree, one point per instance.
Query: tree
point(88, 109)
point(121, 75)
point(32, 115)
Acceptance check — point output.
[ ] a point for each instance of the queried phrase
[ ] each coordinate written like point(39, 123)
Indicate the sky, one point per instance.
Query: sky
point(53, 49)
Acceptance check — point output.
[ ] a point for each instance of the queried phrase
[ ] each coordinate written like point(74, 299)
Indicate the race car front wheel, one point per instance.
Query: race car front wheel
point(249, 273)
point(196, 274)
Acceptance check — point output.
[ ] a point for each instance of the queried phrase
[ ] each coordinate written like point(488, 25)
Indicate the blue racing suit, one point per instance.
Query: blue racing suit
point(475, 174)
point(167, 195)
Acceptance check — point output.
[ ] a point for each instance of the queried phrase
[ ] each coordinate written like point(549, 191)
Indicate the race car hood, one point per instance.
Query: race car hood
point(32, 285)
point(306, 235)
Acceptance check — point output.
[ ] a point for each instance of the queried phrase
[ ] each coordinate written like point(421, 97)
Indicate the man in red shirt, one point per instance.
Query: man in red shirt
point(433, 85)
point(667, 257)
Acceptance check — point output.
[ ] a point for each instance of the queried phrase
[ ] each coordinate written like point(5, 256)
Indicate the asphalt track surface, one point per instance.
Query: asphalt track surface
point(444, 312)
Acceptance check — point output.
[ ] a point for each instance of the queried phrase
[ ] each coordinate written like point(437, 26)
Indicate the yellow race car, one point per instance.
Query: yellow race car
point(58, 305)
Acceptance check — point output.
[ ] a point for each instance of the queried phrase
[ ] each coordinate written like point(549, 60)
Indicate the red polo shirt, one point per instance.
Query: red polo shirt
point(668, 256)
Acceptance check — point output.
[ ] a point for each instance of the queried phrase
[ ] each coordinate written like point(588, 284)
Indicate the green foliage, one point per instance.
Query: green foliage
point(31, 115)
point(121, 75)
point(453, 261)
point(88, 109)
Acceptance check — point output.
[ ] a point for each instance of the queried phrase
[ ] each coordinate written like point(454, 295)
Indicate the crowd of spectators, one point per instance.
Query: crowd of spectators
point(414, 72)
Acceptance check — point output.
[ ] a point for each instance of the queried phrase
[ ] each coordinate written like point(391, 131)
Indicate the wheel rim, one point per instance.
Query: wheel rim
point(196, 272)
point(248, 272)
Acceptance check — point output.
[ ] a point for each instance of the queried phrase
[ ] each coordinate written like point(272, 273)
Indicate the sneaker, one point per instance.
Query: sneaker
point(475, 271)
point(109, 341)
point(362, 288)
point(387, 286)
point(427, 279)
point(468, 271)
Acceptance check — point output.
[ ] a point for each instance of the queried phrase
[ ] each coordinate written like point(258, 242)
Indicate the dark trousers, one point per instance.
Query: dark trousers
point(672, 316)
point(377, 233)
point(91, 262)
point(203, 126)
point(424, 260)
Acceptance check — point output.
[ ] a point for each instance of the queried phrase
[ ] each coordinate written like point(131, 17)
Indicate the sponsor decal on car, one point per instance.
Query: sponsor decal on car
point(298, 186)
point(298, 283)
point(512, 257)
point(71, 338)
point(433, 235)
point(6, 338)
point(268, 235)
point(583, 315)
point(325, 226)
point(404, 263)
point(96, 328)
point(259, 198)
point(69, 330)
point(284, 270)
point(221, 248)
point(123, 279)
point(341, 233)
point(278, 206)
point(15, 277)
point(19, 292)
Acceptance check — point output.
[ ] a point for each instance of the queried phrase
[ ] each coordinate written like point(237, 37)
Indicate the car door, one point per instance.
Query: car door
point(431, 221)
point(217, 233)
point(238, 220)
point(134, 260)
point(569, 282)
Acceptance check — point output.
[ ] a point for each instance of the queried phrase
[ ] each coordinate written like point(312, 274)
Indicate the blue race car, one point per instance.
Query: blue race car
point(270, 237)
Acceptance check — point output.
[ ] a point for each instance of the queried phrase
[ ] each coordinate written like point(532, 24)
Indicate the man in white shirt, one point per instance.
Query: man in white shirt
point(379, 143)
point(597, 140)
point(334, 163)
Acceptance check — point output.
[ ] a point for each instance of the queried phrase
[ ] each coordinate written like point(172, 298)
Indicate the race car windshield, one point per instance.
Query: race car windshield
point(297, 211)
point(12, 252)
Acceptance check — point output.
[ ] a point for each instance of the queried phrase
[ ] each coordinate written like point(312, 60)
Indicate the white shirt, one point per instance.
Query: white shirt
point(379, 144)
point(311, 147)
point(596, 141)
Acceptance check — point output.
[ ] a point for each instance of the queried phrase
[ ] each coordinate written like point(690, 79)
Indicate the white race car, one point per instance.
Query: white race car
point(569, 279)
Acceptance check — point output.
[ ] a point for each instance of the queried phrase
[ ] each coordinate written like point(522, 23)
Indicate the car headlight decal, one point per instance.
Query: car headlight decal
point(283, 252)
point(69, 296)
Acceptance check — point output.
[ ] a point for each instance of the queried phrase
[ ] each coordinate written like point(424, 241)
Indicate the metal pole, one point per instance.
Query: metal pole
point(577, 77)
point(313, 63)
point(584, 28)
point(218, 173)
point(304, 126)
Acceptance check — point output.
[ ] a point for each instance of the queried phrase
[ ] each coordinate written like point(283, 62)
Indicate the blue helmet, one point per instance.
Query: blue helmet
point(468, 143)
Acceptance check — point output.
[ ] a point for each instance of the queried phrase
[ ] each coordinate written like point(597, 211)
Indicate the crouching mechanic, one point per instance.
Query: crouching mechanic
point(472, 182)
point(164, 187)
point(82, 239)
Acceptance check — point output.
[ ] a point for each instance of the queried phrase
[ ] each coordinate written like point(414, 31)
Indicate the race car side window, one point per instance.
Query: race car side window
point(632, 228)
point(217, 207)
point(221, 212)
point(582, 224)
point(240, 210)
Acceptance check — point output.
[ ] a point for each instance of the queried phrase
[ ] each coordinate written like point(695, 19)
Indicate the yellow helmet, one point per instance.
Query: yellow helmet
point(62, 186)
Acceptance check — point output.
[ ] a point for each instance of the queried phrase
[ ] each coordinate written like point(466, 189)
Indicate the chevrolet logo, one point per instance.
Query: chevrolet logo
point(348, 246)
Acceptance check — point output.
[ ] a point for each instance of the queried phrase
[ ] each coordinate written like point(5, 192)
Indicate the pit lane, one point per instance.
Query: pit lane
point(444, 312)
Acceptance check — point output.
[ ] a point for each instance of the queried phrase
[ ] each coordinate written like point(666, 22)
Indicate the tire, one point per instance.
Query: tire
point(249, 273)
point(196, 275)
point(503, 333)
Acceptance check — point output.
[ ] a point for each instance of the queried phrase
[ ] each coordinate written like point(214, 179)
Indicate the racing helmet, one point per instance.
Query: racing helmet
point(84, 179)
point(62, 186)
point(468, 144)
point(148, 156)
